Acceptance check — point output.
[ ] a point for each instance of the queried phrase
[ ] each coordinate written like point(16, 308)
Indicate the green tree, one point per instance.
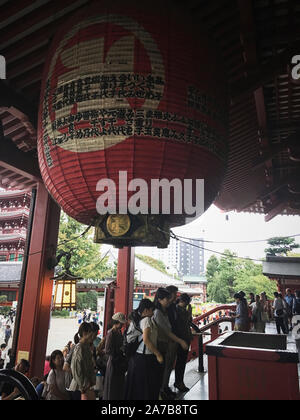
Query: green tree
point(235, 274)
point(221, 283)
point(3, 299)
point(256, 284)
point(280, 246)
point(85, 300)
point(86, 260)
point(212, 267)
point(218, 290)
point(228, 269)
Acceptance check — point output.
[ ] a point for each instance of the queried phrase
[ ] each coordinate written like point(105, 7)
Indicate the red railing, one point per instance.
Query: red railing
point(212, 326)
point(219, 308)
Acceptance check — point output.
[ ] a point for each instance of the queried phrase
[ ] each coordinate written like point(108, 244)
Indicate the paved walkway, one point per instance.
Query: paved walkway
point(61, 330)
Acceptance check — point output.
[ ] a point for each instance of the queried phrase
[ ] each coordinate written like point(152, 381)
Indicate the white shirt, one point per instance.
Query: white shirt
point(147, 323)
point(3, 354)
point(278, 305)
point(58, 378)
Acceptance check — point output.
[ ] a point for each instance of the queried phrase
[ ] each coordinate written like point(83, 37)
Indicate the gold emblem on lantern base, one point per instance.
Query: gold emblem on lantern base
point(132, 230)
point(118, 224)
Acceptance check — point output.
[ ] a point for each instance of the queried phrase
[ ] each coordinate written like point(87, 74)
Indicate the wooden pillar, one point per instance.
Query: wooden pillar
point(125, 281)
point(37, 298)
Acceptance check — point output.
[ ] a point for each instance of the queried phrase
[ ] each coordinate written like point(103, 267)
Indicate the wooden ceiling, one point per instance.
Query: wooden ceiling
point(257, 38)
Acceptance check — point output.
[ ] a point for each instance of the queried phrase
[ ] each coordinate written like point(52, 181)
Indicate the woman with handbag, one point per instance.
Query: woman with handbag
point(117, 363)
point(279, 313)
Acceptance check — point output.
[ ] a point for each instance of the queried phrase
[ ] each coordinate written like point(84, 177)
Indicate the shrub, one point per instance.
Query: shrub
point(64, 313)
point(4, 310)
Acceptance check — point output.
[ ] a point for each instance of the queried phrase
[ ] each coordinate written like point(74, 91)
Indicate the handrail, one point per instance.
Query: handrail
point(214, 327)
point(216, 322)
point(214, 310)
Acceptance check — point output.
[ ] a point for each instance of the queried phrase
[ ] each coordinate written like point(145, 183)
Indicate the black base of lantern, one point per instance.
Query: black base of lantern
point(132, 230)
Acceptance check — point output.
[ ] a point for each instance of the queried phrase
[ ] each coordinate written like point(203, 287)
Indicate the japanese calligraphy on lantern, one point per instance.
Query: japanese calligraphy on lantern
point(126, 90)
point(120, 122)
point(79, 98)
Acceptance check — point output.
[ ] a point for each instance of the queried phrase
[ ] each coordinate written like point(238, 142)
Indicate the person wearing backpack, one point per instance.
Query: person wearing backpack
point(145, 363)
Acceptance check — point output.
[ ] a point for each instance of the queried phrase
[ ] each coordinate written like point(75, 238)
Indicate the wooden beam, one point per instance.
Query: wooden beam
point(264, 73)
point(36, 19)
point(280, 184)
point(10, 98)
point(276, 210)
point(249, 42)
point(18, 162)
point(287, 124)
point(273, 150)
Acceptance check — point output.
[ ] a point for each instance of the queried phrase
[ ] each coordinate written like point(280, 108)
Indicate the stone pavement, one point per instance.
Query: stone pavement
point(60, 332)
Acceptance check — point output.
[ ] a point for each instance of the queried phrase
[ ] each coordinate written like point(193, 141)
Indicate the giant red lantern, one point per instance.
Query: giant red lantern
point(135, 89)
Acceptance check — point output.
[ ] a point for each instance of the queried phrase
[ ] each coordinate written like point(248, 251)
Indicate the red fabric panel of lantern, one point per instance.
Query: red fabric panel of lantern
point(128, 89)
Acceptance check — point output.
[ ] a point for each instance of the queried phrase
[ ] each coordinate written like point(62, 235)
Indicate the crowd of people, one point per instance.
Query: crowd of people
point(134, 360)
point(6, 322)
point(254, 315)
point(87, 316)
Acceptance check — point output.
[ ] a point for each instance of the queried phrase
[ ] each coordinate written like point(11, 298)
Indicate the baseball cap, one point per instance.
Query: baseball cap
point(119, 317)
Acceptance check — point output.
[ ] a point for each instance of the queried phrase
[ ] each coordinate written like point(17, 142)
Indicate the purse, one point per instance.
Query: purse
point(279, 312)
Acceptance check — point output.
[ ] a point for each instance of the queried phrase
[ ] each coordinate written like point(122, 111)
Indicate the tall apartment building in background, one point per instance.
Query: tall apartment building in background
point(191, 261)
point(169, 256)
point(182, 258)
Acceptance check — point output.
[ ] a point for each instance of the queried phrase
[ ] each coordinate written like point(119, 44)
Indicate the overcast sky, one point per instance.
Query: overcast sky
point(213, 226)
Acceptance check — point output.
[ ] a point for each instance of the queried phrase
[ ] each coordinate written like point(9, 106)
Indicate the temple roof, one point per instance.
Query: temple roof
point(12, 237)
point(10, 271)
point(11, 193)
point(14, 214)
point(276, 267)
